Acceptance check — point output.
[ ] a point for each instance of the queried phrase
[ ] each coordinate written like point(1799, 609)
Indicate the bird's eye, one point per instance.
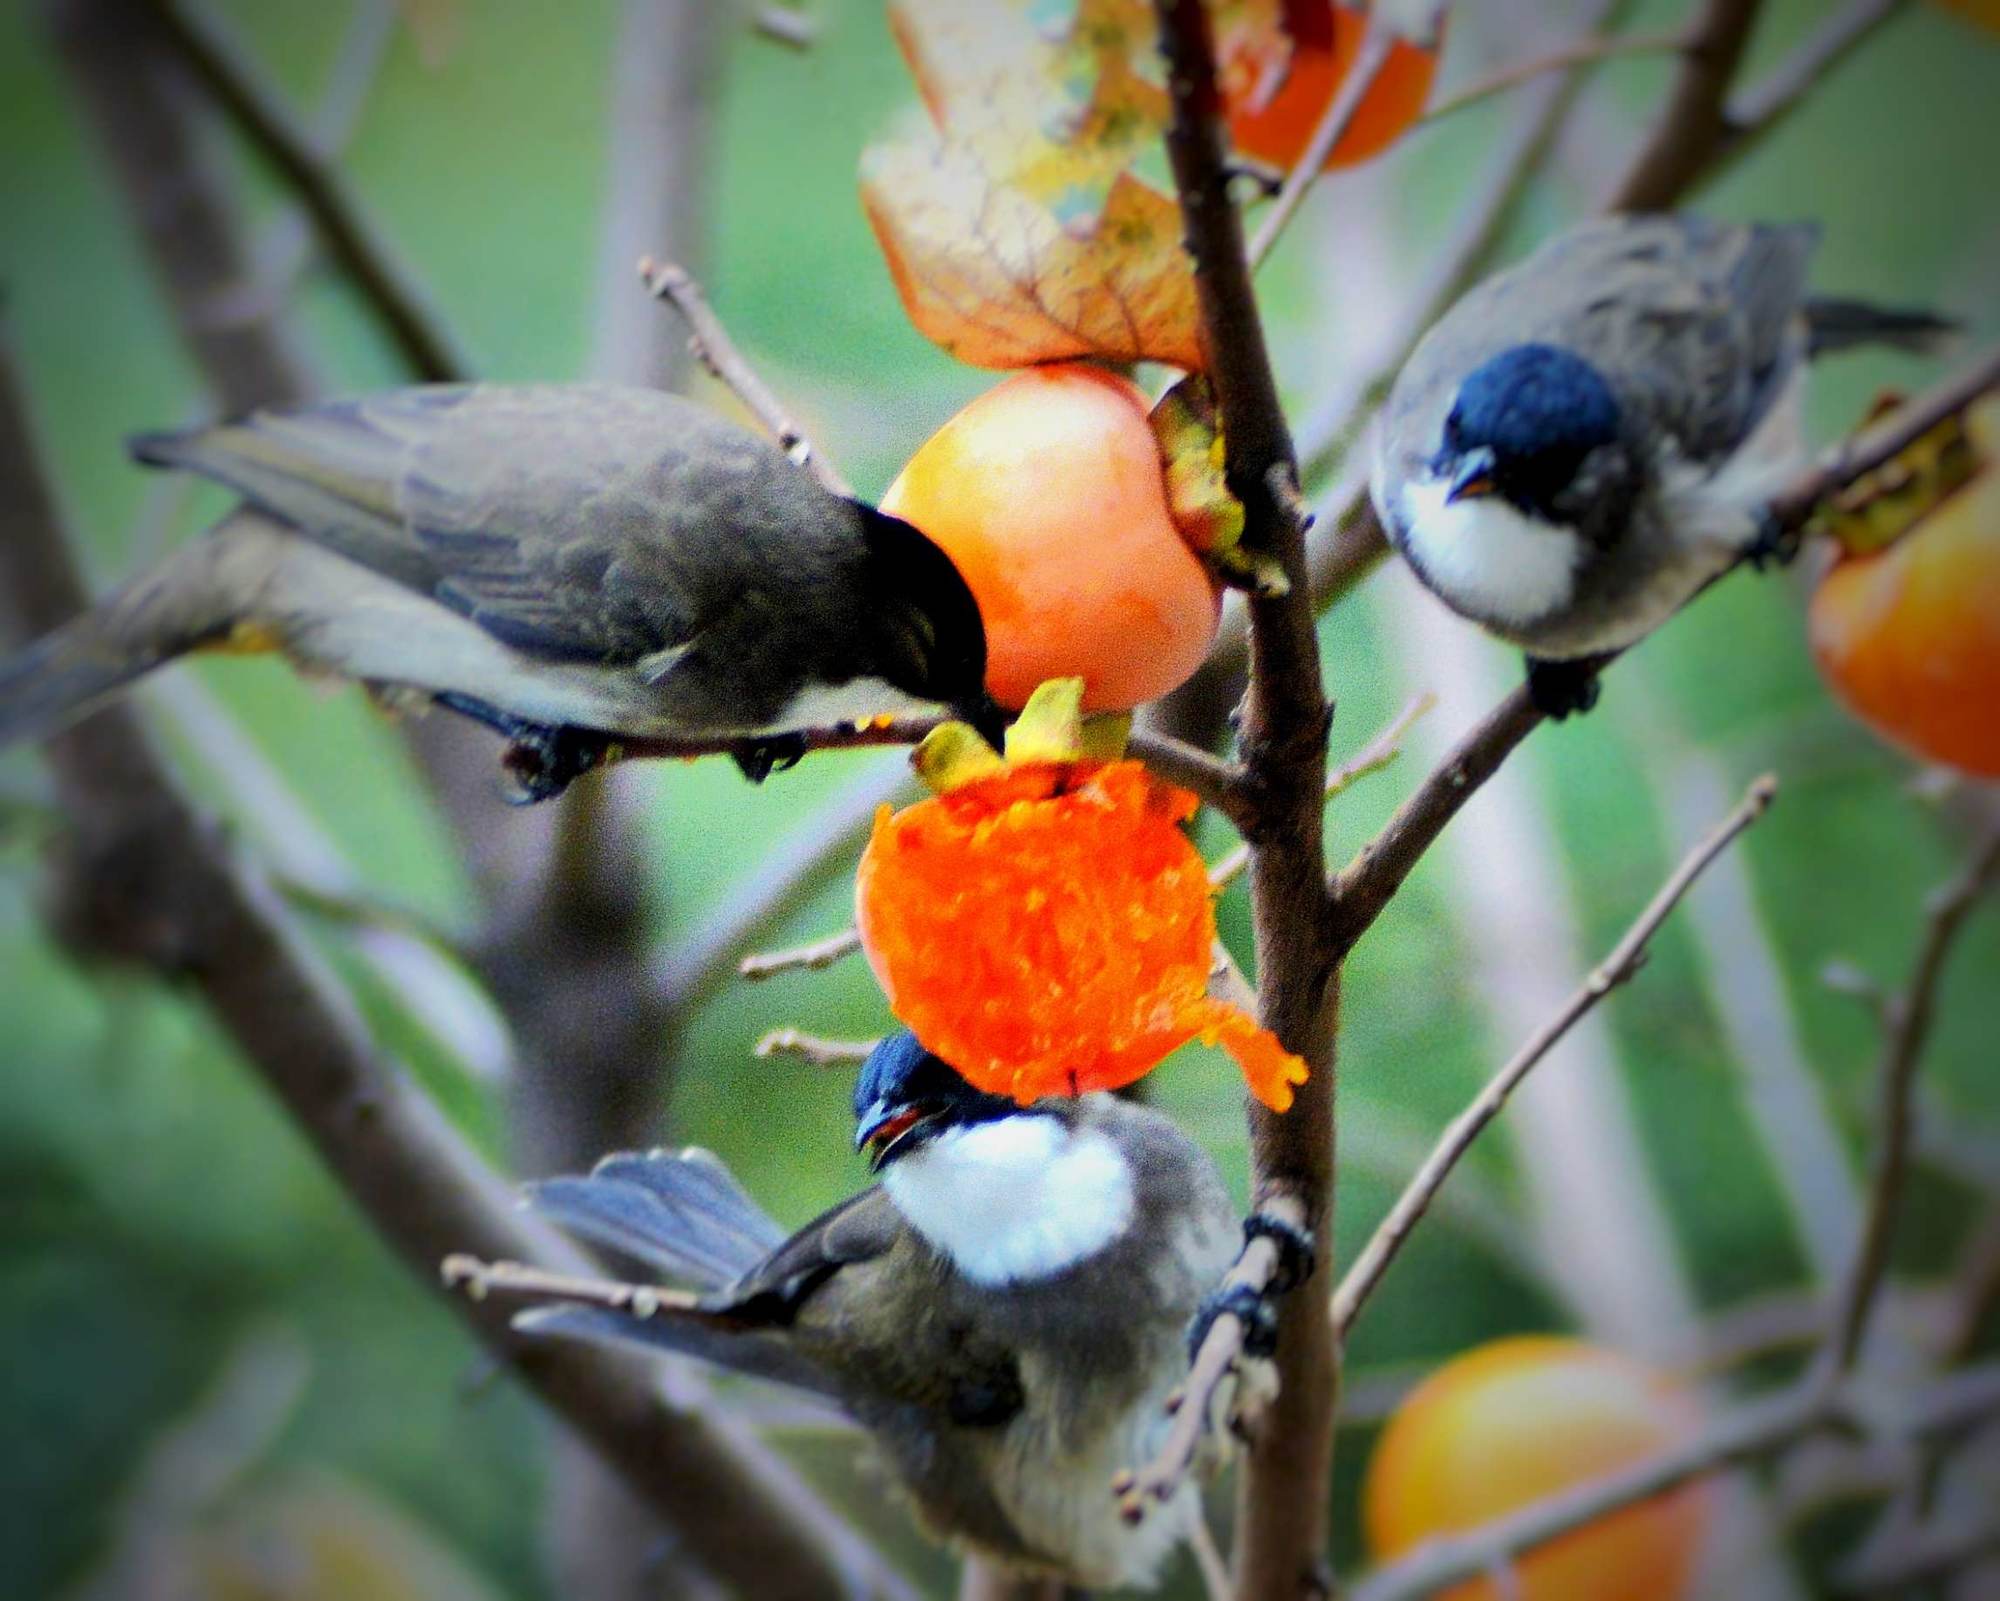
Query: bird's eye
point(1454, 429)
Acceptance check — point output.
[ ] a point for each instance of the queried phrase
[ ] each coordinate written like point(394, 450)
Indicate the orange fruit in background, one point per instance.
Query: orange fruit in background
point(1909, 636)
point(1519, 1419)
point(1278, 129)
point(1048, 493)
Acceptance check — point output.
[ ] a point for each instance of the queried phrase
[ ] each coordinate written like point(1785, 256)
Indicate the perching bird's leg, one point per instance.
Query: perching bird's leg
point(1775, 545)
point(540, 761)
point(1562, 689)
point(776, 753)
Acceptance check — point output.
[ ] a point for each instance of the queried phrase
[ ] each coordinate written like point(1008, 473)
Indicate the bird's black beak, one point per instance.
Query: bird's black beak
point(887, 1131)
point(1474, 477)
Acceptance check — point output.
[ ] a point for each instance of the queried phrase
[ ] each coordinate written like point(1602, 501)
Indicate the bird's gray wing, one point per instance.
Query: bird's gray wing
point(860, 1229)
point(575, 521)
point(1697, 326)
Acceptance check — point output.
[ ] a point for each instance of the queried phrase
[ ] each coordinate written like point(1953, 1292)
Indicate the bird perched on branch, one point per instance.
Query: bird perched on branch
point(571, 564)
point(1006, 1311)
point(1585, 440)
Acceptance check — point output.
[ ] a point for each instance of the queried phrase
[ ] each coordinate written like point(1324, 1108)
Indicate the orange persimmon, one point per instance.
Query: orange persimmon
point(1045, 926)
point(1275, 124)
point(1908, 635)
point(1049, 495)
point(1519, 1419)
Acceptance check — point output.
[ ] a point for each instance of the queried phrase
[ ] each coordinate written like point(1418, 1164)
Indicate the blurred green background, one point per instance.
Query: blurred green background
point(156, 1209)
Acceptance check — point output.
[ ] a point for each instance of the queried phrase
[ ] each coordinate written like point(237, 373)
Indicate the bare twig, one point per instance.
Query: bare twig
point(1764, 104)
point(1340, 112)
point(150, 880)
point(1616, 969)
point(814, 957)
point(717, 352)
point(1374, 757)
point(1286, 1483)
point(1587, 51)
point(1221, 1352)
point(786, 25)
point(408, 316)
point(1694, 125)
point(812, 1048)
point(1932, 1554)
point(1909, 1017)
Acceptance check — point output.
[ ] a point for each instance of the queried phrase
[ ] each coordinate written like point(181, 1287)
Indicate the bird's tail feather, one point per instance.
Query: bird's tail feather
point(179, 606)
point(1833, 325)
point(681, 1213)
point(683, 1331)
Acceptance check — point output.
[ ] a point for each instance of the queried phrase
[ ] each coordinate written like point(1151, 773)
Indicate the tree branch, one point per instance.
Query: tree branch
point(1615, 970)
point(358, 247)
point(1908, 1017)
point(1761, 107)
point(812, 1048)
point(716, 351)
point(1695, 124)
point(1589, 50)
point(1281, 1536)
point(153, 881)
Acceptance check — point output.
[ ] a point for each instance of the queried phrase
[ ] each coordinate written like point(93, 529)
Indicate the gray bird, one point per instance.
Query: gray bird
point(1583, 441)
point(1007, 1311)
point(569, 563)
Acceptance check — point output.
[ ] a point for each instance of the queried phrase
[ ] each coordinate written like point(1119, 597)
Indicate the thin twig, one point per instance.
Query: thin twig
point(1616, 969)
point(786, 25)
point(479, 1280)
point(814, 957)
point(711, 343)
point(1763, 105)
point(361, 250)
point(1909, 1023)
point(1340, 112)
point(1930, 1555)
point(1584, 52)
point(1379, 754)
point(1756, 1429)
point(812, 1048)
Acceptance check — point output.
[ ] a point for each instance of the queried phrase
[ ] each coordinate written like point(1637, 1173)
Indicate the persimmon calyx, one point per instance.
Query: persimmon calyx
point(1051, 730)
point(1881, 507)
point(1210, 518)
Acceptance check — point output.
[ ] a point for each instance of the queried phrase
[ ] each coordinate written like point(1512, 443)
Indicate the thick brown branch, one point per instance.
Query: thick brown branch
point(711, 343)
point(1281, 1535)
point(1616, 969)
point(153, 881)
point(1908, 1016)
point(1695, 124)
point(358, 247)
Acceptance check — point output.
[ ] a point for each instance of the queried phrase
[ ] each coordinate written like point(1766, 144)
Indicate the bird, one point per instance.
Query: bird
point(1586, 439)
point(572, 564)
point(1007, 1310)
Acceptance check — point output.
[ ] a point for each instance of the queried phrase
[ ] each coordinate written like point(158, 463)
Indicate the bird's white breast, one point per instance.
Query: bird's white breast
point(1014, 1198)
point(1487, 559)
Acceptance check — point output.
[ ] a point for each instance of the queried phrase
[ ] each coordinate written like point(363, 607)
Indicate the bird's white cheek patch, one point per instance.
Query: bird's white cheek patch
point(1487, 559)
point(1016, 1198)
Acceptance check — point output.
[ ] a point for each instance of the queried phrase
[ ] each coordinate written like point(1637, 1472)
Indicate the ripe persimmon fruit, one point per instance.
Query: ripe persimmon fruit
point(1519, 1419)
point(1908, 635)
point(1048, 493)
point(1276, 125)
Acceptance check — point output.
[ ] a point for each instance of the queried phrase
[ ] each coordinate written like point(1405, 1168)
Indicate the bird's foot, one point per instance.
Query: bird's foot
point(776, 753)
point(1257, 1309)
point(540, 763)
point(1296, 1252)
point(1775, 545)
point(1562, 689)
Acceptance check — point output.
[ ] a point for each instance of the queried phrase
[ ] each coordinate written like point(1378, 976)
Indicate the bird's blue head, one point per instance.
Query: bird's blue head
point(1523, 424)
point(906, 1097)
